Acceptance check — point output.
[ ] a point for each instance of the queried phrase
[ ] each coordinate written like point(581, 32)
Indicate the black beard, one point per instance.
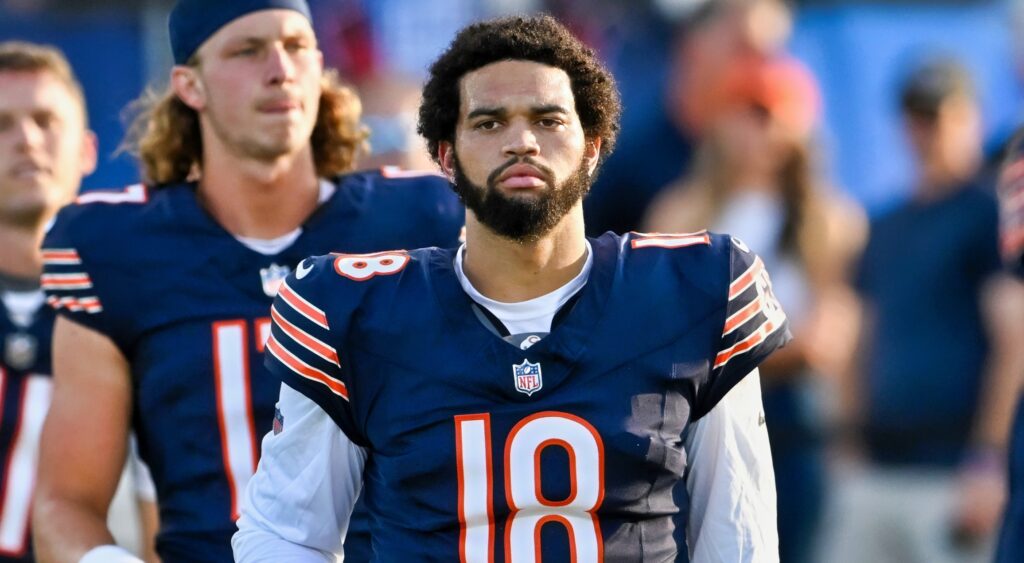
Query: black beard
point(522, 219)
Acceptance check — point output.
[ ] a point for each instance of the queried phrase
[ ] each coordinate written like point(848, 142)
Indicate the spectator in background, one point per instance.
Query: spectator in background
point(45, 150)
point(754, 177)
point(941, 350)
point(390, 103)
point(657, 148)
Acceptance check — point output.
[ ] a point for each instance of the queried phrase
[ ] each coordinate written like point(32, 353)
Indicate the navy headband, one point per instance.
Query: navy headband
point(193, 21)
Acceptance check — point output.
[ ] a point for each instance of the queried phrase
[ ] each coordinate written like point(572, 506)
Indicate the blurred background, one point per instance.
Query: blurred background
point(858, 50)
point(851, 143)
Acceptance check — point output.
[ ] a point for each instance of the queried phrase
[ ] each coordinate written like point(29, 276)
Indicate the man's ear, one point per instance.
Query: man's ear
point(90, 153)
point(446, 158)
point(592, 154)
point(188, 87)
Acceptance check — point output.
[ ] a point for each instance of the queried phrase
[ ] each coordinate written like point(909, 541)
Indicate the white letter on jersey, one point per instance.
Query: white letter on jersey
point(20, 465)
point(234, 406)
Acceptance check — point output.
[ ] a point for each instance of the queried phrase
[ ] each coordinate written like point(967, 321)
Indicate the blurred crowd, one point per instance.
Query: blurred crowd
point(890, 411)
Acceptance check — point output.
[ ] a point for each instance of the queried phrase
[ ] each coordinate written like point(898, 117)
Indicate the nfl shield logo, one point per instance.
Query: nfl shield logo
point(272, 278)
point(528, 377)
point(20, 350)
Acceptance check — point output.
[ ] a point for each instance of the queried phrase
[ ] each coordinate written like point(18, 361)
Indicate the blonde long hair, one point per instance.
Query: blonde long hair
point(164, 134)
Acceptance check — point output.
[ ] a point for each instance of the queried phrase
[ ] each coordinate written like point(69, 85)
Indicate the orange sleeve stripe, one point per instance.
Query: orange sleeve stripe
point(670, 241)
point(295, 301)
point(745, 345)
point(305, 370)
point(742, 316)
point(303, 338)
point(740, 284)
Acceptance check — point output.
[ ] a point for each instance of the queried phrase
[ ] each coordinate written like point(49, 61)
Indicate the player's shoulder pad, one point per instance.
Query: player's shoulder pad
point(339, 283)
point(677, 247)
point(97, 217)
point(702, 258)
point(429, 193)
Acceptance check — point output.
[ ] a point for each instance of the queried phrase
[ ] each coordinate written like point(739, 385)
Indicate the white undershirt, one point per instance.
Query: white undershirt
point(22, 306)
point(531, 316)
point(270, 247)
point(297, 506)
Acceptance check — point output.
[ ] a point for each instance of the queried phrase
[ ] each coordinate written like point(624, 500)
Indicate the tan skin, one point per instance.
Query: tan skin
point(257, 90)
point(520, 108)
point(45, 150)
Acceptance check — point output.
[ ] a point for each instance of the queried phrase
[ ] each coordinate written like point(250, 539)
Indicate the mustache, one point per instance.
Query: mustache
point(547, 173)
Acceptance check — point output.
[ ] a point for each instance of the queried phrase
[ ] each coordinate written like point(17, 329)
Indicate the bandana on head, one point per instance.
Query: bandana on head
point(193, 21)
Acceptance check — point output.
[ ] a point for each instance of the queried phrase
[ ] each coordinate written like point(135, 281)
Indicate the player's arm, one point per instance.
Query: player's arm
point(297, 505)
point(982, 490)
point(731, 481)
point(83, 446)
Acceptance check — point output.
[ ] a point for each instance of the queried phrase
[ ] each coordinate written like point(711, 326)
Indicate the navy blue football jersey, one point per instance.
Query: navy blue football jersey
point(25, 387)
point(571, 449)
point(189, 306)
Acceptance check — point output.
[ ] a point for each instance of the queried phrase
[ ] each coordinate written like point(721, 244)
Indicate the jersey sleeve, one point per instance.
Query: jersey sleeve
point(755, 326)
point(731, 481)
point(440, 216)
point(302, 349)
point(73, 275)
point(297, 505)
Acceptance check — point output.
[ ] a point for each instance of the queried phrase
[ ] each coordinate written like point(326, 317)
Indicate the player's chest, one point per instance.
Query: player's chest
point(485, 396)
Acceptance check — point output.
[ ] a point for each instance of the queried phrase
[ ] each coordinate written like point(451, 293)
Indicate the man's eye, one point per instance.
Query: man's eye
point(550, 122)
point(487, 125)
point(43, 120)
point(245, 52)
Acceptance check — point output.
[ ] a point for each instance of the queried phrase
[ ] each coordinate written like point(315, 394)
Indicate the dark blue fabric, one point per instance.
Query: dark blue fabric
point(13, 383)
point(637, 359)
point(193, 21)
point(171, 280)
point(1011, 540)
point(921, 277)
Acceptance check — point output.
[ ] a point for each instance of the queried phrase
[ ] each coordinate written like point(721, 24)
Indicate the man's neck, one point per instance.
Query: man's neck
point(20, 256)
point(261, 200)
point(510, 271)
point(938, 180)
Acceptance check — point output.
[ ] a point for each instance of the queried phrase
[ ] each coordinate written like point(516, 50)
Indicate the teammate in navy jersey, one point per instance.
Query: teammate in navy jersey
point(163, 290)
point(45, 149)
point(533, 393)
point(1011, 207)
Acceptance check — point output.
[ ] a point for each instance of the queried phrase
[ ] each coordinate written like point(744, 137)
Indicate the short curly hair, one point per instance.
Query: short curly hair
point(539, 39)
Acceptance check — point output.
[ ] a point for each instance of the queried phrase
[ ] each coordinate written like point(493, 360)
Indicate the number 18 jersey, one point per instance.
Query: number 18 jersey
point(570, 449)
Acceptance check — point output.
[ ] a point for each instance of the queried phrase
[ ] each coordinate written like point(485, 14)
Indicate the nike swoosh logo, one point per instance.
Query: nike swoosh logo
point(300, 271)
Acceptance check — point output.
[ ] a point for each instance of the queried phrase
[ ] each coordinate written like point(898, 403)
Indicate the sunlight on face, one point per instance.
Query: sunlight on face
point(260, 79)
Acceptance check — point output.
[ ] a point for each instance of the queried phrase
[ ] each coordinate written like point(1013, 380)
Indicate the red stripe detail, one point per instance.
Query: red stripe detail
point(670, 241)
point(743, 315)
point(60, 255)
point(759, 336)
point(740, 284)
point(295, 301)
point(304, 338)
point(301, 368)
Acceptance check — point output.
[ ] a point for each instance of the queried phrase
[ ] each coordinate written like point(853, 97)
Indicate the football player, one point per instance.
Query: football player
point(532, 394)
point(163, 290)
point(1011, 208)
point(45, 150)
